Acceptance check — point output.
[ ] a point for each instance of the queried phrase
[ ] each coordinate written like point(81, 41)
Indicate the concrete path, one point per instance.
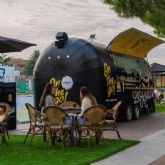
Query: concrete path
point(160, 161)
point(150, 149)
point(138, 129)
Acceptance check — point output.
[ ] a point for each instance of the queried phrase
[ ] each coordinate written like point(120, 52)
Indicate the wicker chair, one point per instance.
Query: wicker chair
point(111, 124)
point(37, 125)
point(8, 107)
point(57, 129)
point(8, 111)
point(94, 117)
point(3, 116)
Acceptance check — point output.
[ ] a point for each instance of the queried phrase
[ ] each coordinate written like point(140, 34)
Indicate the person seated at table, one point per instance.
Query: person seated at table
point(48, 100)
point(47, 97)
point(2, 118)
point(2, 113)
point(161, 98)
point(87, 100)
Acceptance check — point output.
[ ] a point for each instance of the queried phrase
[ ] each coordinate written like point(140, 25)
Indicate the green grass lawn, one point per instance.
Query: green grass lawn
point(160, 108)
point(18, 154)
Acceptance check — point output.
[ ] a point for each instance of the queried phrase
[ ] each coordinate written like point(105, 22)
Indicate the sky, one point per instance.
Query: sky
point(38, 21)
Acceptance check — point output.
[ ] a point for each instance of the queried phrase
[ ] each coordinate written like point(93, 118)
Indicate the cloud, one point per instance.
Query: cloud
point(38, 23)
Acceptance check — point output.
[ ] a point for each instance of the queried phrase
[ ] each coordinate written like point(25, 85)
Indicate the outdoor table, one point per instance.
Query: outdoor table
point(73, 112)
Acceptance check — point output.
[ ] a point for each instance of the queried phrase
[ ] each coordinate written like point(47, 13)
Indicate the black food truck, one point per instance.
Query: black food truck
point(116, 72)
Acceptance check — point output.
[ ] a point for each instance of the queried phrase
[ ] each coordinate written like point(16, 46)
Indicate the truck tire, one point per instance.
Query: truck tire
point(128, 113)
point(147, 111)
point(152, 110)
point(136, 112)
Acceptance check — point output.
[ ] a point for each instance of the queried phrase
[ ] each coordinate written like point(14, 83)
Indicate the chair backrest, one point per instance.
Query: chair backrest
point(70, 104)
point(8, 110)
point(55, 115)
point(95, 114)
point(2, 113)
point(32, 111)
point(115, 109)
point(8, 107)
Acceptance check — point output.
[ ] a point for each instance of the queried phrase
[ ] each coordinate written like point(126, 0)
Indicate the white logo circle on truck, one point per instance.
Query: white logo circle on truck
point(67, 82)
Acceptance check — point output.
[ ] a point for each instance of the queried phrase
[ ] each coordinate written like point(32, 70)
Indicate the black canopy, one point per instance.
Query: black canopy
point(155, 67)
point(8, 45)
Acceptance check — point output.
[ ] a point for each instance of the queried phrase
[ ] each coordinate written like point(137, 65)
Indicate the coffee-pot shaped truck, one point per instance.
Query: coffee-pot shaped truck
point(113, 73)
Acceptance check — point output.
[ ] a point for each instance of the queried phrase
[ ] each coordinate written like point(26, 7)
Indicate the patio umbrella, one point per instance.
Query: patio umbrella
point(157, 68)
point(8, 45)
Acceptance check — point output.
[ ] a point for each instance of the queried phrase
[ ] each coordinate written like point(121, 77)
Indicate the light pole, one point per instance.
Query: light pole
point(92, 37)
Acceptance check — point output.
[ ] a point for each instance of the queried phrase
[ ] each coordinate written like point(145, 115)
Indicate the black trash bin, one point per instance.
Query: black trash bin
point(8, 95)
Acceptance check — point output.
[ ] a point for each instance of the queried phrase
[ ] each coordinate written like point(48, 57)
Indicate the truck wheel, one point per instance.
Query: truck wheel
point(128, 113)
point(152, 110)
point(136, 112)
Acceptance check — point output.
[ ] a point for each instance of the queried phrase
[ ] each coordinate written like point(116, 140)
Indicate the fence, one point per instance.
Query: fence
point(25, 86)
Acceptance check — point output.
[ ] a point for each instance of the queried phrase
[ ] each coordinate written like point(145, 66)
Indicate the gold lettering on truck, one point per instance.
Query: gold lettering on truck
point(111, 82)
point(60, 95)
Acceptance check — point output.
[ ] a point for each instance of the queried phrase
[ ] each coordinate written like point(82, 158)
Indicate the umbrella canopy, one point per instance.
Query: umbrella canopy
point(155, 68)
point(8, 45)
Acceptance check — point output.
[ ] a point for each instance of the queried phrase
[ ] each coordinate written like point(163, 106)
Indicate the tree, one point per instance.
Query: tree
point(28, 70)
point(151, 12)
point(4, 60)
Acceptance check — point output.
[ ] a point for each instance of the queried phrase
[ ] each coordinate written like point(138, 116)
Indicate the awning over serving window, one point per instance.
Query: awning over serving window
point(133, 42)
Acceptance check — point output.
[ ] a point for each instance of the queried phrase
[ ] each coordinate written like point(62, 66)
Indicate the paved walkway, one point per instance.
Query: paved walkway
point(138, 129)
point(21, 129)
point(159, 161)
point(150, 149)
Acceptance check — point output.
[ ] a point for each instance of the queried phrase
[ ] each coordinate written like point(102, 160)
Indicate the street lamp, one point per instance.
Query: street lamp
point(92, 37)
